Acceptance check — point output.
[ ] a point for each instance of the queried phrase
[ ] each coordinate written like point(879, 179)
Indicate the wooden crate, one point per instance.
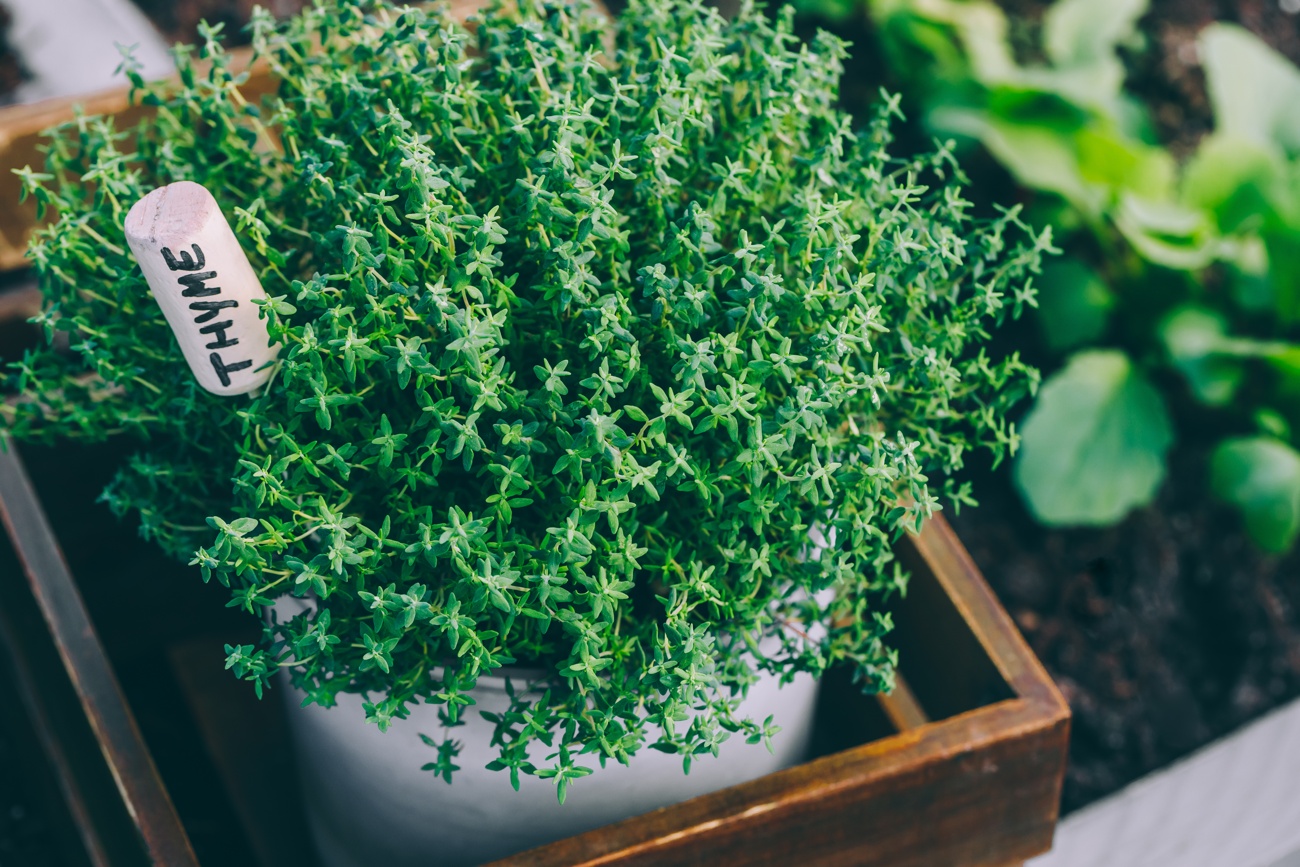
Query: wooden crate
point(963, 766)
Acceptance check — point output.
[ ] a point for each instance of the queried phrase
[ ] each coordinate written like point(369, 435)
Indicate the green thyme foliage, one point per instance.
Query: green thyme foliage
point(585, 325)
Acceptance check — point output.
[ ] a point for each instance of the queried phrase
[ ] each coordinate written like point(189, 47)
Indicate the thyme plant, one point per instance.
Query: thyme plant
point(586, 324)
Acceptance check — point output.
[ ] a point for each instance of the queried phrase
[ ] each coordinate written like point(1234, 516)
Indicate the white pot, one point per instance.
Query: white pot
point(369, 803)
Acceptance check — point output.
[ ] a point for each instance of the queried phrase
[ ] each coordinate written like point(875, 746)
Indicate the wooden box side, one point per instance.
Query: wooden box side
point(977, 790)
point(981, 787)
point(139, 786)
point(941, 554)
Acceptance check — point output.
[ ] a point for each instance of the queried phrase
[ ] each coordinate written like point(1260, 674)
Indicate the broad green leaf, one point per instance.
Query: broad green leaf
point(1083, 32)
point(1261, 477)
point(1167, 234)
point(1282, 355)
point(838, 11)
point(1283, 244)
point(1039, 158)
point(1074, 304)
point(1199, 345)
point(1232, 178)
point(1286, 196)
point(1109, 158)
point(1094, 445)
point(911, 41)
point(1039, 107)
point(979, 26)
point(1253, 90)
point(1080, 38)
point(1097, 88)
point(1272, 423)
point(983, 29)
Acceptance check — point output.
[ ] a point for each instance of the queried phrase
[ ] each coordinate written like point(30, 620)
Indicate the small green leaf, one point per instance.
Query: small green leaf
point(1194, 337)
point(242, 526)
point(1074, 304)
point(1094, 445)
point(1261, 477)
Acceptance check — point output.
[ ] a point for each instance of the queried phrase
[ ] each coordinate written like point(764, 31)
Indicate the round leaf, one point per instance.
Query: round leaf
point(1094, 445)
point(1261, 477)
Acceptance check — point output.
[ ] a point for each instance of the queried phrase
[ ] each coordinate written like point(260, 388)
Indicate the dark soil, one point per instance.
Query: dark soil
point(179, 19)
point(1168, 76)
point(1165, 72)
point(1164, 633)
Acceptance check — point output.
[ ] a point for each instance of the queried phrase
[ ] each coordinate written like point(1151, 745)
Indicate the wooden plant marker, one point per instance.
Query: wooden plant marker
point(205, 286)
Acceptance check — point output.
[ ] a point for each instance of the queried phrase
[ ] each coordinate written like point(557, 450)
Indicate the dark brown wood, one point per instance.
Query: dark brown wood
point(902, 707)
point(65, 782)
point(86, 664)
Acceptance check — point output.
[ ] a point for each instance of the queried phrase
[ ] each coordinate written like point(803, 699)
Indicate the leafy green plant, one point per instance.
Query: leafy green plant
point(1186, 273)
point(585, 326)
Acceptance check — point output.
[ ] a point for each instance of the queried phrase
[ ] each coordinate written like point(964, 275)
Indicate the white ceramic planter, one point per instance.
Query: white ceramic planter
point(368, 802)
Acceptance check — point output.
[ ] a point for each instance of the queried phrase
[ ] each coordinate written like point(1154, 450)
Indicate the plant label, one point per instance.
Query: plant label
point(205, 286)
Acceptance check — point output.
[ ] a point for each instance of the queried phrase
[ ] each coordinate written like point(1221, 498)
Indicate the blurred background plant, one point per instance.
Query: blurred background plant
point(1173, 313)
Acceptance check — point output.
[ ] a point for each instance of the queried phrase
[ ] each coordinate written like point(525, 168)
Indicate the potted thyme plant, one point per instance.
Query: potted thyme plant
point(612, 366)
